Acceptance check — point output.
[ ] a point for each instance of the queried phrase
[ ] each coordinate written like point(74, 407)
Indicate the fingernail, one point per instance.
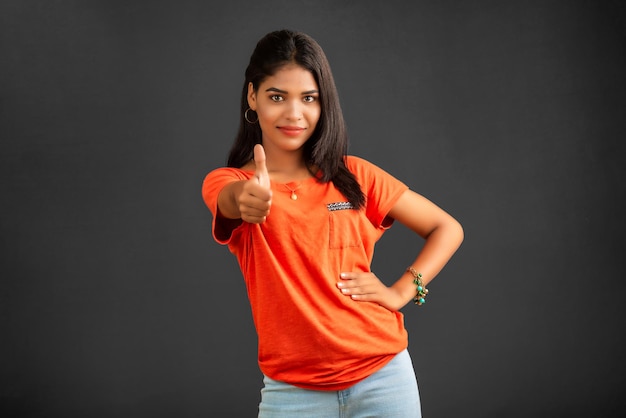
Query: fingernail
point(343, 275)
point(340, 284)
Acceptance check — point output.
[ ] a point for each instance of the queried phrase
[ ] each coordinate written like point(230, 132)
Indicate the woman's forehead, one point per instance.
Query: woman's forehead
point(290, 77)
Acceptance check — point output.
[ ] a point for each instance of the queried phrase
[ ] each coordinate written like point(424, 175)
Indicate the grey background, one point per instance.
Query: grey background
point(114, 299)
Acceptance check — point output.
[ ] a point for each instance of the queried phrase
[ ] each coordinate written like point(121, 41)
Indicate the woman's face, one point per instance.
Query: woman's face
point(288, 107)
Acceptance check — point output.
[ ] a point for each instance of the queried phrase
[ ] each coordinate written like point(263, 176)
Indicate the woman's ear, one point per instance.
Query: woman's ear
point(251, 97)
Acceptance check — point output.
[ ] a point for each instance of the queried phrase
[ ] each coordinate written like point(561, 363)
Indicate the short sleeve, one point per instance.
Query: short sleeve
point(212, 185)
point(381, 189)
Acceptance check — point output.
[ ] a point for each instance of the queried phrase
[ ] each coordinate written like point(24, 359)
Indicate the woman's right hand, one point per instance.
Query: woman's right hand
point(255, 199)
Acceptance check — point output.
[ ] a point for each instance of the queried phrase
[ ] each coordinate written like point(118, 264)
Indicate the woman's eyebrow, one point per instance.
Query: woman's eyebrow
point(274, 89)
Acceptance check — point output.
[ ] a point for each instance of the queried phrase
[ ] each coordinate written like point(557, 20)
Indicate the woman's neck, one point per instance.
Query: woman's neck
point(285, 173)
point(284, 167)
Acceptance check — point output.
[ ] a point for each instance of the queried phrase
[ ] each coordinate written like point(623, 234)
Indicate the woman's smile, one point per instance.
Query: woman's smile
point(291, 130)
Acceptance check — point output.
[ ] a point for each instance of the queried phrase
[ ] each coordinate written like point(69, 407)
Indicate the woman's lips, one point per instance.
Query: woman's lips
point(291, 130)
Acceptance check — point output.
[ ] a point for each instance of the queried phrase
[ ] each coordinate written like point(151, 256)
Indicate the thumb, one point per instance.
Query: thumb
point(261, 169)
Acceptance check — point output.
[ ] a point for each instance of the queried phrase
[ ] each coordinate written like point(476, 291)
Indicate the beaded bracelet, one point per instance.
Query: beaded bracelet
point(420, 296)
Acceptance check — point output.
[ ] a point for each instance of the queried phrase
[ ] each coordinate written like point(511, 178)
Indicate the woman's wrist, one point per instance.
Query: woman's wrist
point(420, 287)
point(405, 288)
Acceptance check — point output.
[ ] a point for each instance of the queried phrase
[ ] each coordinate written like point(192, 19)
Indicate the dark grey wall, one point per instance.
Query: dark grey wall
point(114, 299)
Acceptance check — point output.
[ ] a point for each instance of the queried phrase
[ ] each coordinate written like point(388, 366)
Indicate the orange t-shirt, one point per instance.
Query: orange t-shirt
point(309, 334)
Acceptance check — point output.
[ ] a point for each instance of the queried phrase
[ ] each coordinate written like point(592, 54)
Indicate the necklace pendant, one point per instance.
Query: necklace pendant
point(294, 196)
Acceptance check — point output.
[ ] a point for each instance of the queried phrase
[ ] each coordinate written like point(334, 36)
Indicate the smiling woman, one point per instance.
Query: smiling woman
point(302, 217)
point(288, 111)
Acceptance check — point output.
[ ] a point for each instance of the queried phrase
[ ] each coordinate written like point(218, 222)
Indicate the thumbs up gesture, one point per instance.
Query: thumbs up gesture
point(256, 197)
point(261, 169)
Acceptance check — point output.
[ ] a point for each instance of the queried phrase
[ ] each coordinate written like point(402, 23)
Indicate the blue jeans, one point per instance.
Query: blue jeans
point(391, 392)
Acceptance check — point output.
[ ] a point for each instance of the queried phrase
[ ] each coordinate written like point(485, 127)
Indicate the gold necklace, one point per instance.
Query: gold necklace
point(294, 196)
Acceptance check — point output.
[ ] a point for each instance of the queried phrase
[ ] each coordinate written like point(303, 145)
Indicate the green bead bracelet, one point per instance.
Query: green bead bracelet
point(421, 291)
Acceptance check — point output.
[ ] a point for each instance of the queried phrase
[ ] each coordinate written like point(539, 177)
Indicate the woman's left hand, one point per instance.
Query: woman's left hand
point(366, 287)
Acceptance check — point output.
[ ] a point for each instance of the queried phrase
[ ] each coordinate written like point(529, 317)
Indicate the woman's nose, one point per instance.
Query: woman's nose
point(294, 111)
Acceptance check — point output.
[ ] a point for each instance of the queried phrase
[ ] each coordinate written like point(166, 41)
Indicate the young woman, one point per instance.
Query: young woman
point(302, 217)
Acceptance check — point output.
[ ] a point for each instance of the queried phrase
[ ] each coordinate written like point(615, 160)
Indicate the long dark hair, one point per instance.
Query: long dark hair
point(327, 147)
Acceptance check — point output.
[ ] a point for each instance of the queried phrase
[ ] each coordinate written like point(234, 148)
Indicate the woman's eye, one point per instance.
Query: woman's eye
point(276, 98)
point(309, 99)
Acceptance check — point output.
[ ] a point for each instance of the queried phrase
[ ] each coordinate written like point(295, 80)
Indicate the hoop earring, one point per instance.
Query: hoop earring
point(245, 116)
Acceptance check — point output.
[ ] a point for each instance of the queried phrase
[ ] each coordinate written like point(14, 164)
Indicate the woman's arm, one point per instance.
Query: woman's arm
point(442, 233)
point(443, 236)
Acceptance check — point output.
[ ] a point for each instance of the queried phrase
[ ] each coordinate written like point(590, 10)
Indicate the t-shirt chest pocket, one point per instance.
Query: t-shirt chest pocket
point(343, 223)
